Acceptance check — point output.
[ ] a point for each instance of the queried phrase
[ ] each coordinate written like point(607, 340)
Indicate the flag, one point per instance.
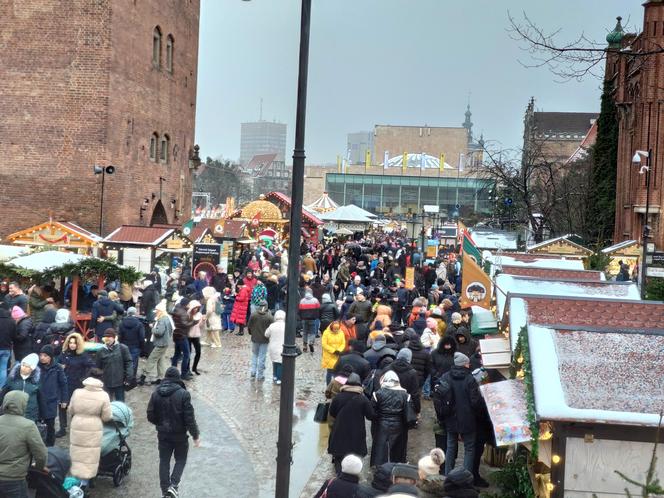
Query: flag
point(470, 249)
point(386, 159)
point(441, 164)
point(367, 160)
point(338, 163)
point(404, 161)
point(475, 284)
point(462, 160)
point(461, 229)
point(255, 221)
point(187, 227)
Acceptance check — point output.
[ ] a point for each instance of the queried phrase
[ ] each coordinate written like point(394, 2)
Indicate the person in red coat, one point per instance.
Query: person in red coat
point(241, 306)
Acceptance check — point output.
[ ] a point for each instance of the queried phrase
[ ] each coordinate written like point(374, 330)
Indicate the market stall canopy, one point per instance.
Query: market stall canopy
point(139, 235)
point(494, 239)
point(45, 260)
point(510, 284)
point(350, 214)
point(323, 204)
point(343, 231)
point(9, 252)
point(592, 376)
point(533, 261)
point(553, 273)
point(63, 234)
point(229, 229)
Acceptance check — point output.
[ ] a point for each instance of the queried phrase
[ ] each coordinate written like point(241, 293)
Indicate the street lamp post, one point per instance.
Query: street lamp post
point(284, 442)
point(644, 169)
point(103, 171)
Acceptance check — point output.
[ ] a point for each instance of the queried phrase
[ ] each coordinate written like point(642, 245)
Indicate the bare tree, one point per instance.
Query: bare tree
point(222, 179)
point(576, 58)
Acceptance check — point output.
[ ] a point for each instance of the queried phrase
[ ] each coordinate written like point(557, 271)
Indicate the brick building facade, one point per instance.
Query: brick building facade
point(638, 90)
point(88, 82)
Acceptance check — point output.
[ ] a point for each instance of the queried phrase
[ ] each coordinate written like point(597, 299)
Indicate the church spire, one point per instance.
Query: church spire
point(468, 124)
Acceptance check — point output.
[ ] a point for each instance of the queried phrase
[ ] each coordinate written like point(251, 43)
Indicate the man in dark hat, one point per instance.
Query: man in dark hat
point(115, 361)
point(53, 391)
point(171, 411)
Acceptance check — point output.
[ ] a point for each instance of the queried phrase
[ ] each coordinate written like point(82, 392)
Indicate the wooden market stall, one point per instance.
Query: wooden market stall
point(141, 247)
point(627, 251)
point(56, 266)
point(63, 235)
point(561, 246)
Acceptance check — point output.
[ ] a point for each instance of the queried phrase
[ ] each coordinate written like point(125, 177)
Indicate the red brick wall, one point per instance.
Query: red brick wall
point(79, 88)
point(639, 93)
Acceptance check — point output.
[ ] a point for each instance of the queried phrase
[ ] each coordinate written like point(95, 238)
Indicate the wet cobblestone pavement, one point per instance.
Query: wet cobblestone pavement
point(238, 419)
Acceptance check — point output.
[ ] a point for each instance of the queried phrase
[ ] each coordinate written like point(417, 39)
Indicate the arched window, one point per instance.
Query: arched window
point(156, 47)
point(163, 151)
point(154, 141)
point(170, 47)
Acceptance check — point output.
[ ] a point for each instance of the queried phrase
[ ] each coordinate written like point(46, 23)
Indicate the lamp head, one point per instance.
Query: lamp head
point(637, 158)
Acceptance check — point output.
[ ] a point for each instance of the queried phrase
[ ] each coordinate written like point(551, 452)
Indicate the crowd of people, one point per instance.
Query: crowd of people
point(386, 348)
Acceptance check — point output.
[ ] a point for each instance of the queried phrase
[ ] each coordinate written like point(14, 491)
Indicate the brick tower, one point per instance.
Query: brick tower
point(106, 82)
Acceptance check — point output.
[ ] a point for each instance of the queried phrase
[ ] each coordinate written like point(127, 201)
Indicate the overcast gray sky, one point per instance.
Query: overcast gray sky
point(405, 62)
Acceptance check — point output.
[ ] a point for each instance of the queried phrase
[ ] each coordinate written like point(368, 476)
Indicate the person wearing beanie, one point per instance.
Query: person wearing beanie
point(408, 377)
point(131, 333)
point(172, 413)
point(458, 400)
point(378, 351)
point(328, 312)
point(431, 481)
point(53, 392)
point(421, 362)
point(309, 313)
point(25, 376)
point(459, 483)
point(258, 324)
point(347, 483)
point(362, 310)
point(162, 333)
point(115, 361)
point(22, 338)
point(349, 410)
point(40, 335)
point(355, 359)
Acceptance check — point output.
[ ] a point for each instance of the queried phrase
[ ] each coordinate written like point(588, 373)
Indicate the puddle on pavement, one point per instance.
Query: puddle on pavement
point(310, 441)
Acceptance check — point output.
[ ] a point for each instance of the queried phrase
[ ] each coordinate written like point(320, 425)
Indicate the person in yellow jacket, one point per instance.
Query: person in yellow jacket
point(334, 343)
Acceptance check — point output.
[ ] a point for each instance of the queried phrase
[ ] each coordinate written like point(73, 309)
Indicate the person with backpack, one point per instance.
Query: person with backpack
point(457, 400)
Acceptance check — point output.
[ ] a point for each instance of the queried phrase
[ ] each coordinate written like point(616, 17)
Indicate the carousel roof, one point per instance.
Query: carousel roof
point(323, 204)
point(267, 210)
point(422, 160)
point(350, 213)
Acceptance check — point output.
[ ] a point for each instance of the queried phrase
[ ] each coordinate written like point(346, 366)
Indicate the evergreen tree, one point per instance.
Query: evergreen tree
point(602, 196)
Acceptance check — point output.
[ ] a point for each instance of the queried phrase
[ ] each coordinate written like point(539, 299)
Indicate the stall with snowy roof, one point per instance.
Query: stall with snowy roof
point(597, 393)
point(143, 247)
point(627, 251)
point(63, 235)
point(495, 240)
point(56, 266)
point(566, 245)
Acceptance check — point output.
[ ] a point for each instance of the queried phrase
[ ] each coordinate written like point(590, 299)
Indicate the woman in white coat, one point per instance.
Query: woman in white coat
point(275, 333)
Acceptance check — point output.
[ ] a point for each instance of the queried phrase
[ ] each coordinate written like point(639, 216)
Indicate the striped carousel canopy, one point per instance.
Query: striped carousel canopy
point(323, 204)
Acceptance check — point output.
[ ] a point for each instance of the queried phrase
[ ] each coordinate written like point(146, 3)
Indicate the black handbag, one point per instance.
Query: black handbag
point(410, 417)
point(321, 412)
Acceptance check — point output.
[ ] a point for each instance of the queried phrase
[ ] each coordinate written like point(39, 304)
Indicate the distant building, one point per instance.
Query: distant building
point(556, 134)
point(357, 146)
point(262, 137)
point(265, 173)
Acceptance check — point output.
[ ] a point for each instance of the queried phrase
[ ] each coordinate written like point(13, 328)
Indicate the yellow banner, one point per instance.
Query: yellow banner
point(410, 277)
point(404, 161)
point(338, 164)
point(475, 285)
point(442, 162)
point(367, 160)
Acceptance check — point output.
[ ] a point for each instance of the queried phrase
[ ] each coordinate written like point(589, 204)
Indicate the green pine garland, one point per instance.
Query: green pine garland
point(88, 268)
point(523, 350)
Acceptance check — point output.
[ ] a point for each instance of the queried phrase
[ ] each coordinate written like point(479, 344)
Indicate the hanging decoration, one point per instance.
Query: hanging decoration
point(521, 369)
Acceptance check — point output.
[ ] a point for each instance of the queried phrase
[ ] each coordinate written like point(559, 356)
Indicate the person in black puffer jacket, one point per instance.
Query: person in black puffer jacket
point(421, 360)
point(407, 376)
point(459, 484)
point(40, 336)
point(355, 359)
point(442, 358)
point(23, 337)
point(131, 333)
point(170, 410)
point(347, 483)
point(7, 334)
point(328, 312)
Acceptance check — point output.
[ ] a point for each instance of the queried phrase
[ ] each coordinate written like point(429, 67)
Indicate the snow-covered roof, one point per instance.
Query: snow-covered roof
point(9, 252)
point(570, 371)
point(350, 213)
point(505, 284)
point(41, 261)
point(494, 239)
point(562, 239)
point(620, 245)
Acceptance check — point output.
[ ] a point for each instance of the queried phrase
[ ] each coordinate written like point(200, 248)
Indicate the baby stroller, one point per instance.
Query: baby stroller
point(49, 485)
point(115, 459)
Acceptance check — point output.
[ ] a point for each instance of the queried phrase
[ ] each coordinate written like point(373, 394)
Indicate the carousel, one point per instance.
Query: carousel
point(323, 204)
